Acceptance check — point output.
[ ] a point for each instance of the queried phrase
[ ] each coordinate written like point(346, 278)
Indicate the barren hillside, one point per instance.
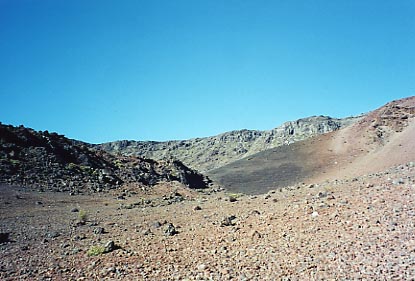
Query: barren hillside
point(353, 219)
point(204, 154)
point(383, 138)
point(49, 161)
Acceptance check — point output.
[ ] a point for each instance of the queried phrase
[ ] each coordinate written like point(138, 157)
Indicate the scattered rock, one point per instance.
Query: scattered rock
point(146, 232)
point(170, 230)
point(110, 246)
point(314, 214)
point(228, 221)
point(322, 195)
point(255, 212)
point(52, 234)
point(232, 199)
point(79, 237)
point(156, 224)
point(99, 230)
point(74, 210)
point(4, 237)
point(255, 234)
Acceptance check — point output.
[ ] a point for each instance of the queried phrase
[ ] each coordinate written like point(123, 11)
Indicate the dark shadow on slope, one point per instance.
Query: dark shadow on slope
point(267, 170)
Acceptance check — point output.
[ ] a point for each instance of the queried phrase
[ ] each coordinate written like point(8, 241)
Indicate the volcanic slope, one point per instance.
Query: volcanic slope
point(205, 154)
point(383, 138)
point(49, 161)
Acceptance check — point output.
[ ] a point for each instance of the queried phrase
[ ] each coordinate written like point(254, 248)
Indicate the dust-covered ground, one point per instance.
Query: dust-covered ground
point(359, 228)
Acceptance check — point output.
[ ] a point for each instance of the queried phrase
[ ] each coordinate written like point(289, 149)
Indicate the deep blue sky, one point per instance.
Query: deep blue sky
point(158, 70)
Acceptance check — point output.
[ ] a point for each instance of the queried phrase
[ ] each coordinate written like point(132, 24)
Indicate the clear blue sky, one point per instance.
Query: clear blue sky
point(176, 69)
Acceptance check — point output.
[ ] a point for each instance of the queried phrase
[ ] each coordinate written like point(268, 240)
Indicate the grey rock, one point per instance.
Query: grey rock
point(99, 230)
point(52, 234)
point(205, 154)
point(146, 232)
point(110, 246)
point(170, 230)
point(228, 221)
point(156, 224)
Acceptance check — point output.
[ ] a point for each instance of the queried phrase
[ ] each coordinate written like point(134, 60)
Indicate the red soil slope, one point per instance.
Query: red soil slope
point(383, 138)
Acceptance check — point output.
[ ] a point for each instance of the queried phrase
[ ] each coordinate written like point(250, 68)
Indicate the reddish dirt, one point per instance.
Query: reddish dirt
point(383, 138)
point(357, 222)
point(362, 228)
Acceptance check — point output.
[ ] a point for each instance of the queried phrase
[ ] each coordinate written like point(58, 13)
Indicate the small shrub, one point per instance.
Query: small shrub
point(86, 169)
point(82, 216)
point(96, 251)
point(234, 196)
point(72, 166)
point(14, 162)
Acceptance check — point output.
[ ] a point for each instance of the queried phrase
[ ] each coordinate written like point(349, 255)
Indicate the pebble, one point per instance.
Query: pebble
point(228, 221)
point(99, 230)
point(109, 246)
point(146, 232)
point(232, 199)
point(52, 234)
point(4, 237)
point(170, 230)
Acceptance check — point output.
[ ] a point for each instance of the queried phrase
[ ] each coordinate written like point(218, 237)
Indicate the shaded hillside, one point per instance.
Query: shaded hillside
point(383, 138)
point(205, 154)
point(50, 161)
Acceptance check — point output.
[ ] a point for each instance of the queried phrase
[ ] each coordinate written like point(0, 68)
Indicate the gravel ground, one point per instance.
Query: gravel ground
point(360, 228)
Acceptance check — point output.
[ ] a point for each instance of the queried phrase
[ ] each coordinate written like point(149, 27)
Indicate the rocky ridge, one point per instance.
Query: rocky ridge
point(382, 138)
point(205, 154)
point(49, 161)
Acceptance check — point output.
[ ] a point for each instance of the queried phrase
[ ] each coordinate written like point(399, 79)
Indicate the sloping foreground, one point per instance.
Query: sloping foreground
point(357, 229)
point(383, 138)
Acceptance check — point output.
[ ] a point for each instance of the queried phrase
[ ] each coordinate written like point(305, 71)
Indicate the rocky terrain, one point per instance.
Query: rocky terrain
point(381, 139)
point(360, 228)
point(342, 207)
point(49, 161)
point(204, 154)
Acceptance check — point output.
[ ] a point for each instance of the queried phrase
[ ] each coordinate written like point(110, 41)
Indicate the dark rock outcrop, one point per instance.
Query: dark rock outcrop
point(50, 161)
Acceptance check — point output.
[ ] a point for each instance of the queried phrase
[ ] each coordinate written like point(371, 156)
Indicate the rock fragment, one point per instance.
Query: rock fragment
point(170, 230)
